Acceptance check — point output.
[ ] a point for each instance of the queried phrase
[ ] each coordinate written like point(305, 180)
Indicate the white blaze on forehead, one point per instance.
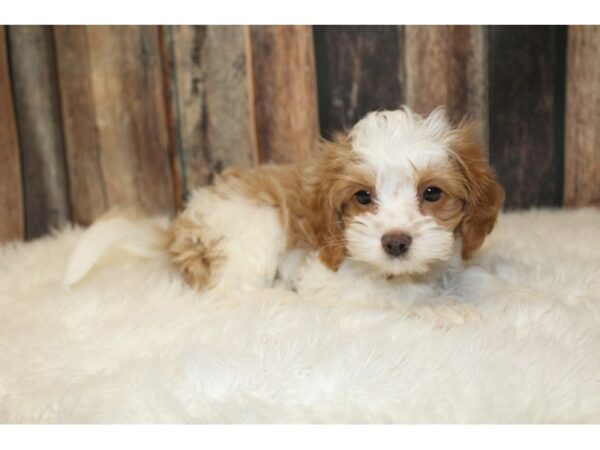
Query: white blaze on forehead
point(402, 141)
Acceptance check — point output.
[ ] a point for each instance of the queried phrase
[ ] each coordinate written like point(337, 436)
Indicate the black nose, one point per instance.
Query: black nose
point(396, 244)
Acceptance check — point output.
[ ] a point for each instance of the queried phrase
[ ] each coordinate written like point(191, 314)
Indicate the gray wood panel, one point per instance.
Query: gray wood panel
point(526, 112)
point(211, 90)
point(359, 69)
point(33, 75)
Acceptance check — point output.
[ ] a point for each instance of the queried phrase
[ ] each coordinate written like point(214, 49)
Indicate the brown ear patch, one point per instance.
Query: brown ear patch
point(326, 201)
point(335, 179)
point(484, 195)
point(332, 251)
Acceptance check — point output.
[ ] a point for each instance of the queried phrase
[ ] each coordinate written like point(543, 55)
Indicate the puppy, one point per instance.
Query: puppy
point(390, 200)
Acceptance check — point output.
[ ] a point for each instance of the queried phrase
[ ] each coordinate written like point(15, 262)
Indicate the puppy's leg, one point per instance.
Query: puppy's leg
point(226, 241)
point(355, 284)
point(194, 250)
point(446, 312)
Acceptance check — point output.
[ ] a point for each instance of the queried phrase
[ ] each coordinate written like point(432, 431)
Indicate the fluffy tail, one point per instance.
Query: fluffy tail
point(116, 232)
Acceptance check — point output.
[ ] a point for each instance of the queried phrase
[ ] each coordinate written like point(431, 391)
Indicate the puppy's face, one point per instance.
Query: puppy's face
point(399, 189)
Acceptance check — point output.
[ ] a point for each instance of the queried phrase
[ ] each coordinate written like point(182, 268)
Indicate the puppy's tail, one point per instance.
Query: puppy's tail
point(119, 233)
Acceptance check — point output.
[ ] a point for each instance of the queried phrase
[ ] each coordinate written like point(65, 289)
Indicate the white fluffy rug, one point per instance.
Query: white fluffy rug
point(131, 343)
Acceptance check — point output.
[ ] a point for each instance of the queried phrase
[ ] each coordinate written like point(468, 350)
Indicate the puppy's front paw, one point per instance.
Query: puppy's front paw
point(448, 313)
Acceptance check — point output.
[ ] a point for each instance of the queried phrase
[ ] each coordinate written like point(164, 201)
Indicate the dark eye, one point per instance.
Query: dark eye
point(363, 197)
point(432, 194)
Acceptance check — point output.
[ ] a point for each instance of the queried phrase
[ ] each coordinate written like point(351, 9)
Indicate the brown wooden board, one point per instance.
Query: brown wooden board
point(285, 92)
point(211, 91)
point(36, 104)
point(526, 110)
point(125, 78)
point(445, 66)
point(82, 143)
point(11, 195)
point(359, 69)
point(582, 151)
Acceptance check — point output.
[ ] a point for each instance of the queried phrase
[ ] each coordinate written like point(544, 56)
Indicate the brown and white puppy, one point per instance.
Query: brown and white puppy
point(394, 196)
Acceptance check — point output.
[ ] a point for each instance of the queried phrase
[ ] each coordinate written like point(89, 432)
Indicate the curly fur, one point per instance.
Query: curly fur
point(394, 155)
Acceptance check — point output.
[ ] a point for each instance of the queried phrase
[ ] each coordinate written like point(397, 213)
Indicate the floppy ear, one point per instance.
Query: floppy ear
point(327, 202)
point(485, 196)
point(332, 247)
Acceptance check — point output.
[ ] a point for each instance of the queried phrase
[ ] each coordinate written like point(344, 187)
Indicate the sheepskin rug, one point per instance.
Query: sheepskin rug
point(131, 343)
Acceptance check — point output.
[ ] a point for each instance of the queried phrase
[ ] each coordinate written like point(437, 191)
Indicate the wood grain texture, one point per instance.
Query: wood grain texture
point(87, 193)
point(169, 93)
point(212, 100)
point(582, 147)
point(285, 92)
point(446, 66)
point(11, 195)
point(359, 69)
point(128, 107)
point(36, 103)
point(526, 110)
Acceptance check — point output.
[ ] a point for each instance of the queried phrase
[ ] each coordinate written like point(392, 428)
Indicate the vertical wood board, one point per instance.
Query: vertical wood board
point(130, 116)
point(87, 190)
point(37, 108)
point(526, 112)
point(212, 100)
point(359, 69)
point(446, 66)
point(11, 195)
point(582, 149)
point(285, 92)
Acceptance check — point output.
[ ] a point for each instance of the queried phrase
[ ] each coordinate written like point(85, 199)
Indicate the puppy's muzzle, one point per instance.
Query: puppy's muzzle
point(396, 244)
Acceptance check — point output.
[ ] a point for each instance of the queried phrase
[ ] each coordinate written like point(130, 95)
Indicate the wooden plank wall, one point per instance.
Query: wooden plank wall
point(360, 68)
point(210, 81)
point(11, 192)
point(285, 92)
point(582, 157)
point(445, 65)
point(120, 91)
point(527, 112)
point(35, 92)
point(97, 116)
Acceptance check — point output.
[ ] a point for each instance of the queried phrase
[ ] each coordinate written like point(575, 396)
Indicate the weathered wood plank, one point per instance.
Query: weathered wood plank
point(582, 150)
point(82, 144)
point(130, 116)
point(211, 87)
point(285, 92)
point(359, 69)
point(38, 115)
point(169, 93)
point(11, 195)
point(526, 109)
point(445, 66)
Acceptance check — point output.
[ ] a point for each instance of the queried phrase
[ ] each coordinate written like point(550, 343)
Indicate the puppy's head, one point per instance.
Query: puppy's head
point(399, 188)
